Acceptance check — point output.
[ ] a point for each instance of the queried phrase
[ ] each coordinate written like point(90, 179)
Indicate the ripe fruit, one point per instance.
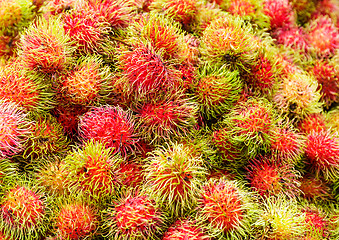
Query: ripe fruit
point(317, 222)
point(187, 228)
point(291, 37)
point(315, 188)
point(332, 119)
point(45, 47)
point(312, 122)
point(280, 13)
point(133, 216)
point(113, 126)
point(173, 177)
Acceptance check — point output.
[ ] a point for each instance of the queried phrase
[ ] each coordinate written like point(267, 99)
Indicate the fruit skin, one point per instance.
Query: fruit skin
point(14, 129)
point(280, 13)
point(332, 119)
point(25, 210)
point(113, 126)
point(93, 171)
point(291, 37)
point(166, 120)
point(45, 47)
point(133, 216)
point(173, 177)
point(226, 209)
point(315, 189)
point(216, 90)
point(312, 122)
point(317, 221)
point(322, 153)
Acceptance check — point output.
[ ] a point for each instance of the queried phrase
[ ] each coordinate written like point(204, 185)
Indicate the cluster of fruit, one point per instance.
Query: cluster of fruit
point(169, 119)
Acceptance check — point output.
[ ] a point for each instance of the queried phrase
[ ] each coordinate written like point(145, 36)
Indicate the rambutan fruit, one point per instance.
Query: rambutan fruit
point(113, 126)
point(322, 153)
point(315, 188)
point(15, 15)
point(8, 171)
point(280, 219)
point(45, 47)
point(93, 168)
point(288, 144)
point(226, 209)
point(75, 220)
point(24, 210)
point(173, 177)
point(25, 89)
point(280, 13)
point(58, 7)
point(270, 177)
point(162, 33)
point(86, 30)
point(327, 75)
point(303, 10)
point(14, 129)
point(46, 138)
point(133, 216)
point(317, 222)
point(118, 13)
point(188, 75)
point(131, 174)
point(332, 119)
point(312, 122)
point(298, 95)
point(186, 228)
point(148, 74)
point(252, 124)
point(229, 41)
point(182, 11)
point(167, 119)
point(291, 37)
point(322, 37)
point(216, 90)
point(87, 83)
point(8, 46)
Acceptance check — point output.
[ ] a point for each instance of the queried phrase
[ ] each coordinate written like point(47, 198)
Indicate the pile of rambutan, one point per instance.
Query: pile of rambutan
point(169, 119)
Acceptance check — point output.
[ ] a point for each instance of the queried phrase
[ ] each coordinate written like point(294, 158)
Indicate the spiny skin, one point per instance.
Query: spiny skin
point(173, 177)
point(76, 221)
point(87, 82)
point(322, 153)
point(86, 30)
point(24, 211)
point(216, 90)
point(112, 125)
point(322, 37)
point(93, 169)
point(327, 75)
point(315, 188)
point(165, 120)
point(183, 229)
point(252, 124)
point(8, 46)
point(312, 122)
point(298, 94)
point(188, 75)
point(58, 7)
point(118, 13)
point(8, 171)
point(303, 9)
point(131, 174)
point(149, 75)
point(46, 138)
point(288, 144)
point(316, 221)
point(280, 219)
point(133, 216)
point(225, 208)
point(332, 119)
point(291, 37)
point(27, 90)
point(14, 129)
point(280, 13)
point(15, 15)
point(270, 178)
point(45, 47)
point(161, 32)
point(228, 41)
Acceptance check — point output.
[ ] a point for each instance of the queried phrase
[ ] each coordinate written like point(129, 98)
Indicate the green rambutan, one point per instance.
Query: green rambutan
point(14, 129)
point(8, 171)
point(173, 177)
point(322, 153)
point(312, 122)
point(216, 90)
point(24, 210)
point(229, 41)
point(298, 94)
point(186, 228)
point(315, 188)
point(46, 138)
point(270, 177)
point(167, 119)
point(25, 89)
point(133, 216)
point(45, 47)
point(87, 83)
point(327, 75)
point(113, 126)
point(226, 208)
point(94, 170)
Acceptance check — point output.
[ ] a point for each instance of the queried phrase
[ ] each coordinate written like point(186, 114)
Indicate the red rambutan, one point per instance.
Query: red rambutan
point(131, 174)
point(313, 122)
point(291, 37)
point(280, 13)
point(317, 222)
point(315, 188)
